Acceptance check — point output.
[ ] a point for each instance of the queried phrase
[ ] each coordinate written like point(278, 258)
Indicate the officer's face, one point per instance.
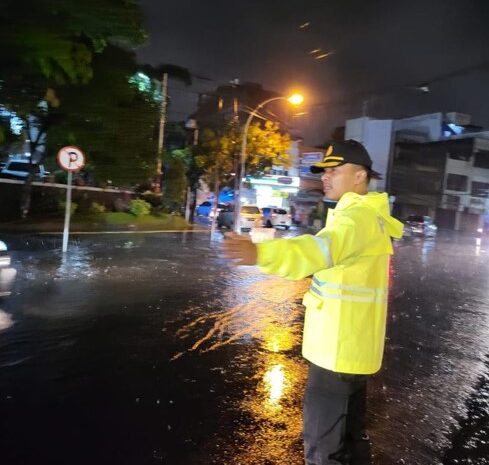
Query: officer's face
point(342, 179)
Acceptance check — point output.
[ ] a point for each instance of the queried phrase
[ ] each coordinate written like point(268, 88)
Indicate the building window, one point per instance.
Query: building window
point(464, 156)
point(457, 182)
point(481, 159)
point(480, 189)
point(452, 200)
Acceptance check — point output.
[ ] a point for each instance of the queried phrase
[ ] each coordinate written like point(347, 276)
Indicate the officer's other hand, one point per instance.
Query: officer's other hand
point(239, 248)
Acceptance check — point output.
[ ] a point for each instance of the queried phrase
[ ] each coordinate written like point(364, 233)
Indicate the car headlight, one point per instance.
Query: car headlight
point(3, 246)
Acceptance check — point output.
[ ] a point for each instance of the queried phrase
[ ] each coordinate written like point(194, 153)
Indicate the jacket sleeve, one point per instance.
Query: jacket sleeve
point(295, 258)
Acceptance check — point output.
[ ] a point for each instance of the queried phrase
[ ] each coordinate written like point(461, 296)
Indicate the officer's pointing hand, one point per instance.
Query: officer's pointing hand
point(240, 248)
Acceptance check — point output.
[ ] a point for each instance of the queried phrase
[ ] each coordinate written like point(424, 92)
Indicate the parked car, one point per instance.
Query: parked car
point(207, 209)
point(276, 217)
point(19, 169)
point(417, 225)
point(250, 217)
point(7, 273)
point(204, 209)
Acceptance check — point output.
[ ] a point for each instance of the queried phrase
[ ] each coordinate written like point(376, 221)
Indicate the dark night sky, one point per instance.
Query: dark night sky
point(381, 48)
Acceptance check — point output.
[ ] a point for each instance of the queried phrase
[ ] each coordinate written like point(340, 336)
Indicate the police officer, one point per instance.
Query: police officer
point(346, 304)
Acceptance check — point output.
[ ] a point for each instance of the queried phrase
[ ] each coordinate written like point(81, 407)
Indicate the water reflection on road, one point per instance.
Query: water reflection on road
point(158, 339)
point(270, 316)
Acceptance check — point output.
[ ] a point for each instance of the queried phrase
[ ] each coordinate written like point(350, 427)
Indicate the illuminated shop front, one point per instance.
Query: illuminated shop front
point(271, 190)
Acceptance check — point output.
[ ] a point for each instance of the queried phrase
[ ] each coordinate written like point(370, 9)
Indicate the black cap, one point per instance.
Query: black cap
point(347, 151)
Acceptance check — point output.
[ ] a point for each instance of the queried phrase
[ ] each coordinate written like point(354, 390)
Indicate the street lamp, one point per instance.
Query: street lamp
point(294, 99)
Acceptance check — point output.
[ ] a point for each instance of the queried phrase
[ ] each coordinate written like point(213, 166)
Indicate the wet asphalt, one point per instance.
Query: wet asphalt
point(150, 349)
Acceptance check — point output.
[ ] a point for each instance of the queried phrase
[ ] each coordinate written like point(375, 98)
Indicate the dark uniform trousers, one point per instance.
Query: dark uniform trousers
point(334, 418)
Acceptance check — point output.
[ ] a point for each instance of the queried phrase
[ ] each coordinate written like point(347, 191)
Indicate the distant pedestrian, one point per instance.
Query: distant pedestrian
point(346, 305)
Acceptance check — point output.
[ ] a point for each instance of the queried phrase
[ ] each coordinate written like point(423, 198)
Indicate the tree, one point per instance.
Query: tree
point(113, 119)
point(174, 181)
point(218, 151)
point(266, 146)
point(215, 154)
point(58, 38)
point(50, 43)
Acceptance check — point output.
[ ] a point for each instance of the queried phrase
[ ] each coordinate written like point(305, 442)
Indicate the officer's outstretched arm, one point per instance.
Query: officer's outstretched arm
point(295, 258)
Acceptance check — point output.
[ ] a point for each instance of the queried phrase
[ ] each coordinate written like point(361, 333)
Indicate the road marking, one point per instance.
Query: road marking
point(126, 232)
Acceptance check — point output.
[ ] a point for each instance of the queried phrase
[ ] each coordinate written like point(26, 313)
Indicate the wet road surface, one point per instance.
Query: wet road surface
point(147, 349)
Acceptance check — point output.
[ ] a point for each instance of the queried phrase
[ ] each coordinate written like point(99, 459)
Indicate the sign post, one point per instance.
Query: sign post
point(70, 159)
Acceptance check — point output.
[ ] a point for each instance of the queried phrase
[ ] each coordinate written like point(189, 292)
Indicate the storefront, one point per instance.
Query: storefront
point(271, 191)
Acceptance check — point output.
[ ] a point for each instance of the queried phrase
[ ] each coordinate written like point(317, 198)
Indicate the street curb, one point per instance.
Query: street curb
point(56, 228)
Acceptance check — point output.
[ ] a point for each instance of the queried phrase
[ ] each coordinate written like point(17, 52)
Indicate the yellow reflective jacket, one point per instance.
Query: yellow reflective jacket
point(346, 305)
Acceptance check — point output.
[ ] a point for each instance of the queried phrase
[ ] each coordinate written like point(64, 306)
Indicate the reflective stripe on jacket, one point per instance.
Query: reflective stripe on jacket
point(346, 305)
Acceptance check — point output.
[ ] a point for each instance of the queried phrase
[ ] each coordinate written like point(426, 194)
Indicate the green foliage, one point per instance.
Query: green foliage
point(161, 221)
point(174, 180)
point(215, 154)
point(62, 207)
point(111, 121)
point(47, 201)
point(57, 39)
point(139, 207)
point(61, 176)
point(218, 148)
point(266, 146)
point(49, 45)
point(96, 207)
point(152, 198)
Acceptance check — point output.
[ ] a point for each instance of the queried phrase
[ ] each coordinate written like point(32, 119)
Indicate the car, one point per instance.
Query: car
point(274, 217)
point(250, 217)
point(15, 168)
point(7, 273)
point(207, 209)
point(418, 225)
point(204, 209)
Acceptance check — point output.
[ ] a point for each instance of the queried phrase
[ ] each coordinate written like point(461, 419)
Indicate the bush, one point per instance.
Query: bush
point(61, 176)
point(97, 208)
point(45, 201)
point(152, 198)
point(139, 207)
point(73, 207)
point(121, 205)
point(171, 206)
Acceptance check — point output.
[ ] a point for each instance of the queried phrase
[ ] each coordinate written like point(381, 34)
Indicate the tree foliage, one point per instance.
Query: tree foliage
point(219, 150)
point(51, 42)
point(111, 120)
point(215, 154)
point(266, 146)
point(174, 179)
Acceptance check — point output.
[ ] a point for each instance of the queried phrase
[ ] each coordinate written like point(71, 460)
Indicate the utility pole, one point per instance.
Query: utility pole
point(161, 135)
point(192, 125)
point(236, 162)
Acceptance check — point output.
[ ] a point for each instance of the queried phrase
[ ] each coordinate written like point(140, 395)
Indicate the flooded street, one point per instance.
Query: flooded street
point(149, 348)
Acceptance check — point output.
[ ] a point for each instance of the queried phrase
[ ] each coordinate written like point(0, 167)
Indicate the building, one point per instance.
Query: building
point(447, 180)
point(435, 164)
point(279, 187)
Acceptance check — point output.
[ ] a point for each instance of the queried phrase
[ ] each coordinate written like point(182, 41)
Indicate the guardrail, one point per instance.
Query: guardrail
point(63, 186)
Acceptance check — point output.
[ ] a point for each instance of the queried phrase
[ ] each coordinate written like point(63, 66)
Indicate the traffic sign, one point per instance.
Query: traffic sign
point(71, 158)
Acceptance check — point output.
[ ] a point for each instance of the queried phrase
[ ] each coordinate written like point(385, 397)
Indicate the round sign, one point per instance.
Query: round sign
point(71, 158)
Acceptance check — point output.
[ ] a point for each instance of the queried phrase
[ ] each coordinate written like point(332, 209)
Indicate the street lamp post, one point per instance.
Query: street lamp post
point(295, 99)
